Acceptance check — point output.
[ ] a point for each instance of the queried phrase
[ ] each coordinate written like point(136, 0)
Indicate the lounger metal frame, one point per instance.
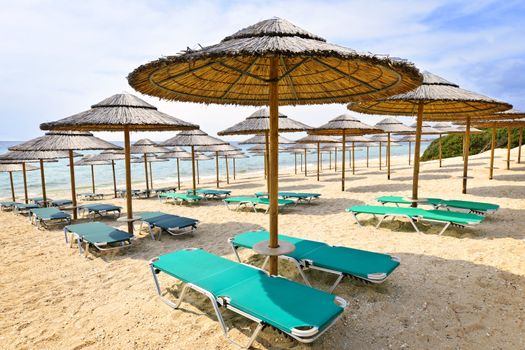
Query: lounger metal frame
point(101, 246)
point(91, 196)
point(447, 208)
point(246, 204)
point(174, 231)
point(82, 211)
point(178, 200)
point(43, 223)
point(308, 264)
point(304, 336)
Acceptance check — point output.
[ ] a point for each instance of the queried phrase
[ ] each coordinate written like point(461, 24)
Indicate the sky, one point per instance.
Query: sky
point(59, 57)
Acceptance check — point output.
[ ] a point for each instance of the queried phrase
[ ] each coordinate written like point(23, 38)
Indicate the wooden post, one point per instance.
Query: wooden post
point(335, 159)
point(114, 178)
point(440, 150)
point(295, 162)
point(146, 173)
point(301, 159)
point(509, 141)
point(92, 178)
point(318, 159)
point(217, 167)
point(467, 151)
point(178, 174)
point(73, 184)
point(13, 196)
point(26, 197)
point(330, 159)
point(127, 160)
point(349, 157)
point(409, 152)
point(492, 146)
point(227, 170)
point(417, 150)
point(198, 174)
point(267, 159)
point(353, 158)
point(43, 180)
point(273, 170)
point(234, 171)
point(519, 145)
point(150, 176)
point(194, 187)
point(388, 155)
point(305, 163)
point(380, 156)
point(343, 164)
point(367, 154)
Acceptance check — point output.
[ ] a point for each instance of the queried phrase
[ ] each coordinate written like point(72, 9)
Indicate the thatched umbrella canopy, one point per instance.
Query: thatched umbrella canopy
point(217, 149)
point(234, 156)
point(149, 158)
point(259, 123)
point(177, 153)
point(67, 141)
point(32, 157)
point(121, 112)
point(302, 150)
point(317, 140)
point(443, 129)
point(436, 100)
point(410, 139)
point(392, 126)
point(11, 168)
point(146, 147)
point(109, 157)
point(89, 160)
point(195, 157)
point(345, 125)
point(274, 63)
point(261, 140)
point(193, 138)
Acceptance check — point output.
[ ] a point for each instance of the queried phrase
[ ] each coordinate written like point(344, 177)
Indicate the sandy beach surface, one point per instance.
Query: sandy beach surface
point(462, 290)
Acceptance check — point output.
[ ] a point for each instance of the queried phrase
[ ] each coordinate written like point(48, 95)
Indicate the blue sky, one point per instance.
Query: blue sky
point(59, 57)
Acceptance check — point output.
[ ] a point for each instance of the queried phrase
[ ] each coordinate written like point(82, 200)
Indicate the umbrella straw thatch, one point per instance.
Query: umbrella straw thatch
point(146, 147)
point(436, 100)
point(273, 63)
point(217, 149)
point(176, 153)
point(317, 140)
point(110, 157)
point(10, 169)
point(392, 126)
point(121, 112)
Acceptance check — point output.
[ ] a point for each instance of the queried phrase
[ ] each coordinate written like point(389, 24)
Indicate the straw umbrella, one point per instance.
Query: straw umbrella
point(176, 153)
point(345, 125)
point(193, 138)
point(121, 112)
point(152, 158)
point(330, 148)
point(272, 63)
point(217, 149)
point(392, 126)
point(87, 160)
point(109, 158)
point(317, 140)
point(302, 149)
point(11, 168)
point(357, 141)
point(436, 100)
point(195, 157)
point(234, 156)
point(259, 123)
point(409, 139)
point(147, 148)
point(37, 156)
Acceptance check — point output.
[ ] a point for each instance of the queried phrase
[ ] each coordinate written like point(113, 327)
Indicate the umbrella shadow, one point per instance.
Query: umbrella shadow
point(422, 177)
point(389, 188)
point(326, 206)
point(506, 191)
point(510, 177)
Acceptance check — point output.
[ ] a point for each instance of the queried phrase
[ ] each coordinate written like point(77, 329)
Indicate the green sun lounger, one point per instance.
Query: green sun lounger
point(91, 196)
point(122, 193)
point(211, 194)
point(254, 202)
point(298, 196)
point(479, 208)
point(172, 224)
point(39, 200)
point(164, 190)
point(97, 234)
point(42, 217)
point(342, 261)
point(7, 205)
point(180, 197)
point(302, 312)
point(449, 218)
point(99, 209)
point(22, 208)
point(59, 203)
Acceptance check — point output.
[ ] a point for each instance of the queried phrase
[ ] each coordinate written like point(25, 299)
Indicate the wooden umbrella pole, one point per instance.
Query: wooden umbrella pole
point(301, 160)
point(380, 156)
point(127, 160)
point(519, 145)
point(267, 159)
point(335, 160)
point(440, 150)
point(150, 176)
point(409, 152)
point(330, 159)
point(305, 163)
point(367, 155)
point(198, 175)
point(353, 158)
point(146, 173)
point(178, 174)
point(114, 178)
point(13, 196)
point(217, 167)
point(73, 185)
point(349, 157)
point(417, 149)
point(388, 155)
point(321, 160)
point(492, 146)
point(92, 178)
point(273, 170)
point(26, 197)
point(295, 162)
point(194, 183)
point(234, 171)
point(467, 151)
point(509, 141)
point(43, 180)
point(227, 170)
point(343, 164)
point(318, 159)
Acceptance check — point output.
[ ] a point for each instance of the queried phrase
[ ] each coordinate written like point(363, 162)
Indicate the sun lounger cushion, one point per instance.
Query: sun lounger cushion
point(255, 200)
point(167, 221)
point(210, 193)
point(60, 202)
point(98, 232)
point(181, 196)
point(479, 207)
point(297, 195)
point(49, 214)
point(98, 208)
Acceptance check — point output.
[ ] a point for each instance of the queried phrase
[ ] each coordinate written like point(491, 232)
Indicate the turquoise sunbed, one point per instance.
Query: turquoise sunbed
point(342, 261)
point(100, 209)
point(164, 190)
point(60, 203)
point(91, 196)
point(480, 208)
point(21, 208)
point(211, 194)
point(181, 197)
point(44, 216)
point(302, 312)
point(299, 196)
point(98, 235)
point(39, 200)
point(413, 215)
point(172, 224)
point(254, 202)
point(122, 193)
point(7, 205)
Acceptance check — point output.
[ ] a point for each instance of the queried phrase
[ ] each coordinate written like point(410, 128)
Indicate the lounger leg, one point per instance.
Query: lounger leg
point(301, 272)
point(444, 228)
point(381, 221)
point(170, 303)
point(336, 283)
point(65, 236)
point(235, 251)
point(413, 224)
point(265, 262)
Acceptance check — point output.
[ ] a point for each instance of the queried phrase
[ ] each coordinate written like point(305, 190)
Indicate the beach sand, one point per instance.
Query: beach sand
point(462, 290)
